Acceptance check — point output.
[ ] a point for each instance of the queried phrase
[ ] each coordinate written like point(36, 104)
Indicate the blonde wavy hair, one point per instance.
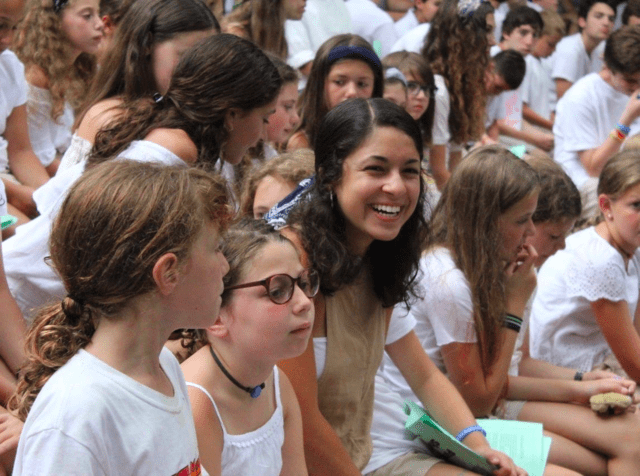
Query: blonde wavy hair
point(40, 41)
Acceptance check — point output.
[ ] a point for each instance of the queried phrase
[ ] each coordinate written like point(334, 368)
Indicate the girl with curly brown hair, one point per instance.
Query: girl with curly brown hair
point(101, 392)
point(456, 48)
point(57, 41)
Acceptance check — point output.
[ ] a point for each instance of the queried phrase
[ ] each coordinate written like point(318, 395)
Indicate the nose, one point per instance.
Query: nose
point(491, 39)
point(99, 25)
point(224, 264)
point(531, 228)
point(394, 185)
point(350, 90)
point(294, 119)
point(302, 304)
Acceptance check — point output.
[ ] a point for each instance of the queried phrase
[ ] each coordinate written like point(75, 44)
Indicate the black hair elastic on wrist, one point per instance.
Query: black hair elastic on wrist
point(512, 322)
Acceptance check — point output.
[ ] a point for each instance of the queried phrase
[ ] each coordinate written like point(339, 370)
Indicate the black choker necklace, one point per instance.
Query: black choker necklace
point(253, 391)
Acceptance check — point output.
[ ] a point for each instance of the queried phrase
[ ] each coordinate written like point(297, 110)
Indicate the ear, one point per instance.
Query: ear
point(219, 328)
point(231, 116)
point(108, 26)
point(604, 202)
point(582, 22)
point(166, 273)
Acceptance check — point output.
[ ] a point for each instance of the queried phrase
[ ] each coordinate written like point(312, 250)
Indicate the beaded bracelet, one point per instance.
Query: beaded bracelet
point(618, 135)
point(624, 129)
point(512, 322)
point(470, 429)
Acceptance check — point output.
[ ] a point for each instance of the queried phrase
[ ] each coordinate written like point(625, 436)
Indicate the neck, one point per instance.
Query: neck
point(247, 372)
point(605, 230)
point(605, 74)
point(589, 43)
point(131, 342)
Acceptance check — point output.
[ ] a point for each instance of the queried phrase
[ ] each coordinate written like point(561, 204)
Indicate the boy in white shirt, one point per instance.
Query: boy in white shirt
point(537, 108)
point(594, 117)
point(520, 29)
point(580, 54)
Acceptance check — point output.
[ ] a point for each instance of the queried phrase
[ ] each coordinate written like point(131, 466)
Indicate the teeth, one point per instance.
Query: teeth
point(387, 210)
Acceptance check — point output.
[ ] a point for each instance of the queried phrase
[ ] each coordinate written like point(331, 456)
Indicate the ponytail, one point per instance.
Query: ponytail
point(57, 334)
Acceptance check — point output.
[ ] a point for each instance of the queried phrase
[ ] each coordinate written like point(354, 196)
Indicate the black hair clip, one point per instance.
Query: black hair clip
point(59, 5)
point(157, 97)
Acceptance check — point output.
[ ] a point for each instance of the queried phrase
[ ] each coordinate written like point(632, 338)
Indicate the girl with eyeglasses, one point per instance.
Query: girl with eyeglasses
point(421, 88)
point(246, 413)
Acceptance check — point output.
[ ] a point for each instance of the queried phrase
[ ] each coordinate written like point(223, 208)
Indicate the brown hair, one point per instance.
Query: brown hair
point(622, 50)
point(313, 104)
point(488, 182)
point(143, 211)
point(559, 198)
point(620, 173)
point(416, 65)
point(263, 22)
point(238, 75)
point(553, 24)
point(292, 167)
point(126, 68)
point(456, 48)
point(41, 41)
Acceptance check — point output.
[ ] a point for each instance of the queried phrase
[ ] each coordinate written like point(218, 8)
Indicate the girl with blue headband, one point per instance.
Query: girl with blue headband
point(345, 67)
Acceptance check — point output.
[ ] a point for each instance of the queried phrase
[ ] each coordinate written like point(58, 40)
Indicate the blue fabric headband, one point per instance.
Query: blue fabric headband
point(346, 50)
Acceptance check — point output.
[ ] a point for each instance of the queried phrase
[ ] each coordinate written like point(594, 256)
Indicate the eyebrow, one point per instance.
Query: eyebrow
point(386, 161)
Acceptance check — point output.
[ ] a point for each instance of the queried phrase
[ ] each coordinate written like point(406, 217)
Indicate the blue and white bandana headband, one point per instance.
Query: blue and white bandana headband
point(277, 216)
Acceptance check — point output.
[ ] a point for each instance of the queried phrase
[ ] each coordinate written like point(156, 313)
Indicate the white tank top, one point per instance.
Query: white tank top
point(256, 452)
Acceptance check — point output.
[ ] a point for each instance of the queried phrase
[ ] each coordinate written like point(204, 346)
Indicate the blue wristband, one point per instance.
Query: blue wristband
point(624, 129)
point(464, 433)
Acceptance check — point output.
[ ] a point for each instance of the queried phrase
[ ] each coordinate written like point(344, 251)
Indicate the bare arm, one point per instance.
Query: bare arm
point(324, 452)
point(562, 86)
point(13, 327)
point(535, 118)
point(438, 164)
point(595, 159)
point(23, 162)
point(293, 462)
point(440, 397)
point(542, 140)
point(621, 335)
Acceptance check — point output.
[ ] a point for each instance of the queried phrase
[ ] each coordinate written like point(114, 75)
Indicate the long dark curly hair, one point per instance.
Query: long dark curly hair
point(321, 224)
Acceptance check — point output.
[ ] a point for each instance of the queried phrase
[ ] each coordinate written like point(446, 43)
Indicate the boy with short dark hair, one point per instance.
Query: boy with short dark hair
point(595, 116)
point(581, 53)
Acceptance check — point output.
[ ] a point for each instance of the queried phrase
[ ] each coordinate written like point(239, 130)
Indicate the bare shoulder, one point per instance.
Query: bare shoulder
point(98, 116)
point(298, 140)
point(36, 76)
point(177, 141)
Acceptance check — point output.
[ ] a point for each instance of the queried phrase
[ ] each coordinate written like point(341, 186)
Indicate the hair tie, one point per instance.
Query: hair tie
point(347, 50)
point(72, 308)
point(158, 98)
point(59, 5)
point(466, 8)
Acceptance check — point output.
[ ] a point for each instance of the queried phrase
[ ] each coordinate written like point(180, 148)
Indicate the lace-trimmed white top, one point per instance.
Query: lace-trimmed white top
point(48, 137)
point(563, 328)
point(256, 452)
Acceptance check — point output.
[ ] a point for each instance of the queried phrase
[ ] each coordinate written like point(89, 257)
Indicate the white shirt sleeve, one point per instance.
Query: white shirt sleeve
point(402, 322)
point(440, 133)
point(51, 452)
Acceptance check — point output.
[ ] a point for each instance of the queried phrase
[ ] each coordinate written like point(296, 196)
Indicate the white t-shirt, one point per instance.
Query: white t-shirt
point(564, 330)
point(90, 419)
point(372, 23)
point(407, 23)
point(322, 19)
point(413, 40)
point(508, 104)
point(535, 87)
point(49, 138)
point(493, 110)
point(13, 93)
point(585, 116)
point(571, 61)
point(31, 280)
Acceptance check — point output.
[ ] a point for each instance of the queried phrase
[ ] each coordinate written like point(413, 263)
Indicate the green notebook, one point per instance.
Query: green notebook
point(443, 444)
